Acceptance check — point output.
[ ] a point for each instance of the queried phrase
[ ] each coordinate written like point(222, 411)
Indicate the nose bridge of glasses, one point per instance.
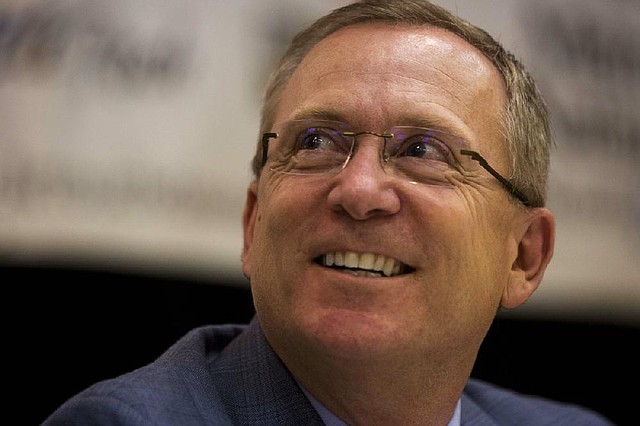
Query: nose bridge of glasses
point(354, 137)
point(356, 134)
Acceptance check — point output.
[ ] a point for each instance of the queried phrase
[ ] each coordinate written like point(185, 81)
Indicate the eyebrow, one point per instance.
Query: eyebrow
point(319, 114)
point(431, 122)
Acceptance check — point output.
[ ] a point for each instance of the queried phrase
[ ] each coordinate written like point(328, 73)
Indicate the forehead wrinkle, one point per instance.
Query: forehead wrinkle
point(390, 77)
point(437, 86)
point(380, 94)
point(461, 92)
point(442, 72)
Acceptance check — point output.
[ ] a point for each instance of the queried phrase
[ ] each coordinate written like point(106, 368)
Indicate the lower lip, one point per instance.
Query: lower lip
point(366, 274)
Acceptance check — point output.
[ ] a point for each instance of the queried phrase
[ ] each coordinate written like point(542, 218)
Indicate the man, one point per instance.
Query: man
point(381, 236)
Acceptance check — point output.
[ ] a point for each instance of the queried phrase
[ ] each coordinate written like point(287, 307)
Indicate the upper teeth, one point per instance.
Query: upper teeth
point(369, 261)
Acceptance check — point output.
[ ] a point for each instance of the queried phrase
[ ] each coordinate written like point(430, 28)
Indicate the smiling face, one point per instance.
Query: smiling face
point(446, 250)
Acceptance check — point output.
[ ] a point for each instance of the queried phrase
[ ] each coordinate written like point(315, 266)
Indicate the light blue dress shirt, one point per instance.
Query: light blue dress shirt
point(331, 419)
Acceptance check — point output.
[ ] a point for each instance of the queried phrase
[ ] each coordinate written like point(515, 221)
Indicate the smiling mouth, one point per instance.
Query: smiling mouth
point(364, 264)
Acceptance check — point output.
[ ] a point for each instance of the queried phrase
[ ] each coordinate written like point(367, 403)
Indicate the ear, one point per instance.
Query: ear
point(535, 238)
point(249, 216)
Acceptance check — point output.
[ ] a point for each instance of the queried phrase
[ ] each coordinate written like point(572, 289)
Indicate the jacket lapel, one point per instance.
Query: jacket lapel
point(256, 387)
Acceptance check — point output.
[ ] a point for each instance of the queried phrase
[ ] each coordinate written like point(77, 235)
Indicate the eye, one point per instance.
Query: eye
point(317, 139)
point(425, 147)
point(312, 140)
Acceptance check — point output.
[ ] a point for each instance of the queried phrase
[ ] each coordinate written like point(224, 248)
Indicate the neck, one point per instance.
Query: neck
point(381, 392)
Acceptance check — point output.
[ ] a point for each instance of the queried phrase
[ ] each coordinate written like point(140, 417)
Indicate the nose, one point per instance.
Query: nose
point(363, 189)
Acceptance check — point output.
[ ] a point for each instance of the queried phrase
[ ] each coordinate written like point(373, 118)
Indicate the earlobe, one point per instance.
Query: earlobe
point(535, 250)
point(248, 224)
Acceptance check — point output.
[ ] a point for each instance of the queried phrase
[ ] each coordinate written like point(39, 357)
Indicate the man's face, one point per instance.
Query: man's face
point(455, 242)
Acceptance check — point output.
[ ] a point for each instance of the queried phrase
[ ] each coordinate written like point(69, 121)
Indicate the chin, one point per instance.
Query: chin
point(347, 333)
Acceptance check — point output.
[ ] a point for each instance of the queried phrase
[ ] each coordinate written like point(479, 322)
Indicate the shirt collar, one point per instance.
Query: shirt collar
point(330, 419)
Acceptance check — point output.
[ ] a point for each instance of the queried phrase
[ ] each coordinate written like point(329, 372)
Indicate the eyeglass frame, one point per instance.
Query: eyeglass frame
point(476, 156)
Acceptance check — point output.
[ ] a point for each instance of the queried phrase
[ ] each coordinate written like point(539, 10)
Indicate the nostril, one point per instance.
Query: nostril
point(363, 196)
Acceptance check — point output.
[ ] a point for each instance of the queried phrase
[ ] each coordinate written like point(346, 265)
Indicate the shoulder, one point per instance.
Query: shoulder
point(171, 390)
point(497, 406)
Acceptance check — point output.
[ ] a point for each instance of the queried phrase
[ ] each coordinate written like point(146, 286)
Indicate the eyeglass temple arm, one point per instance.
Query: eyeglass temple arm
point(508, 185)
point(265, 145)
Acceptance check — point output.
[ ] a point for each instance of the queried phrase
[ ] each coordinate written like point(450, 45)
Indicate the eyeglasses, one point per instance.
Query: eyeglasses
point(418, 154)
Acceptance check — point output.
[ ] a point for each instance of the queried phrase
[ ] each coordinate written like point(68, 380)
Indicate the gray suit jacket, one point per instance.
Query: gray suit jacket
point(229, 375)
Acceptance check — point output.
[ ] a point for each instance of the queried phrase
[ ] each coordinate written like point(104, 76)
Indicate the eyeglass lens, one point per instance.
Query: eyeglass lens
point(414, 153)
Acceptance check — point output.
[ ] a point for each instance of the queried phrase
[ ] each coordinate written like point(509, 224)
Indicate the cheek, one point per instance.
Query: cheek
point(267, 262)
point(474, 262)
point(284, 217)
point(491, 256)
point(288, 216)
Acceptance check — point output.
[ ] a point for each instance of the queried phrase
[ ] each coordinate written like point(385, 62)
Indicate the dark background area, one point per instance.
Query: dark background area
point(68, 328)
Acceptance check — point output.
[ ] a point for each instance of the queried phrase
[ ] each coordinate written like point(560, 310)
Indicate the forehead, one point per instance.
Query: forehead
point(419, 44)
point(381, 75)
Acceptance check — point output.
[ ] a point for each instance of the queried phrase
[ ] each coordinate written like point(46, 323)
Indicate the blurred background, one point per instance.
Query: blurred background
point(127, 128)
